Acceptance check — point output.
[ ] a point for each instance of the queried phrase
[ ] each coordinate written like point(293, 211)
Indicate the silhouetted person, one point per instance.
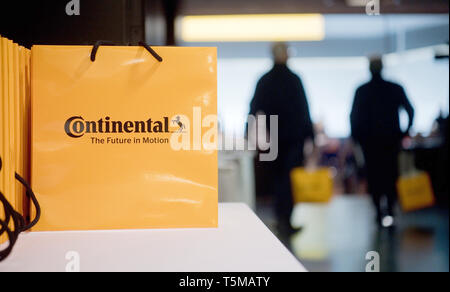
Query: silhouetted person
point(442, 126)
point(280, 92)
point(376, 127)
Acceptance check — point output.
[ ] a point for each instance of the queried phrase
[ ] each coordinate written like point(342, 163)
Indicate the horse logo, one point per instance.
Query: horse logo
point(180, 124)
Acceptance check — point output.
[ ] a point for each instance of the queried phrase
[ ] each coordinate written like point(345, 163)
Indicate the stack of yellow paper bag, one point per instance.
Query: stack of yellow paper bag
point(14, 124)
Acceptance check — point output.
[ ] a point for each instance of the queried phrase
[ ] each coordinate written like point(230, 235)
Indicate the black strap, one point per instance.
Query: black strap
point(108, 43)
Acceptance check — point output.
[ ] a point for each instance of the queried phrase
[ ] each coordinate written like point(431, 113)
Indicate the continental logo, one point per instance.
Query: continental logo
point(77, 127)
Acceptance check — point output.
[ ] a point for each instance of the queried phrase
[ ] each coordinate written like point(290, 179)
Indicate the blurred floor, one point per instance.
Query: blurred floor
point(337, 237)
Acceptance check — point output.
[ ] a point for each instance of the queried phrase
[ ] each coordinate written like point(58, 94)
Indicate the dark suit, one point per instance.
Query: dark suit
point(281, 92)
point(376, 127)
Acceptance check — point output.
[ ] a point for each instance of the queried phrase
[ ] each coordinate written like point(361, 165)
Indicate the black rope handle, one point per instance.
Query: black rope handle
point(151, 51)
point(18, 222)
point(97, 46)
point(32, 197)
point(16, 218)
point(108, 43)
point(7, 212)
point(7, 251)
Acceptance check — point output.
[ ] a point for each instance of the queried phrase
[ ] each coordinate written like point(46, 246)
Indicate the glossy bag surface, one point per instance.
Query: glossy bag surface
point(125, 142)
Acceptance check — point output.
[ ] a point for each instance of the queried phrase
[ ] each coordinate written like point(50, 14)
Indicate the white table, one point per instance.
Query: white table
point(242, 243)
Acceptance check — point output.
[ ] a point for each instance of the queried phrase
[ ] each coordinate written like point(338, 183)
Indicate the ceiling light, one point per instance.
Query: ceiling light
point(253, 28)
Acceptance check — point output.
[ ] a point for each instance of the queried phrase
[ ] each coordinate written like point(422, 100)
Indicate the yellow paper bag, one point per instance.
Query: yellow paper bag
point(17, 129)
point(124, 142)
point(25, 125)
point(3, 237)
point(14, 147)
point(312, 186)
point(8, 116)
point(415, 191)
point(10, 161)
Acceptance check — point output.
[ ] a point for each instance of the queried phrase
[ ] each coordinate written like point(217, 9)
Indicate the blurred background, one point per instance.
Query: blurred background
point(329, 42)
